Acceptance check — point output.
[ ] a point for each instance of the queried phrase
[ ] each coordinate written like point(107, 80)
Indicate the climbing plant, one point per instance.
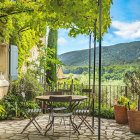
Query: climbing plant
point(42, 64)
point(24, 22)
point(79, 15)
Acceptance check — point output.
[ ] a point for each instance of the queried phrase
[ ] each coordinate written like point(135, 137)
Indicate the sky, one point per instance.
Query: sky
point(125, 27)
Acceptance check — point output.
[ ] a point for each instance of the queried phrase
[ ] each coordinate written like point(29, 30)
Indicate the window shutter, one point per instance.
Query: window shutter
point(13, 63)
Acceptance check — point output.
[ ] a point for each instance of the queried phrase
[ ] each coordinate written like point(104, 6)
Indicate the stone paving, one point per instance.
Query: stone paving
point(10, 130)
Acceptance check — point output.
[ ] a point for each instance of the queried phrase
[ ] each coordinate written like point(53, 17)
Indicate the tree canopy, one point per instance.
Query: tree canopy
point(51, 74)
point(78, 15)
point(24, 22)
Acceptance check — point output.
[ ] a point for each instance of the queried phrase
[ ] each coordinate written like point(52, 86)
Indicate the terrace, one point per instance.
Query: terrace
point(33, 77)
point(10, 130)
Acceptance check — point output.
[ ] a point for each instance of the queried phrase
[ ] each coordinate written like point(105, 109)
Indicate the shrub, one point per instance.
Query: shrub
point(1, 110)
point(28, 105)
point(15, 106)
point(32, 87)
point(13, 103)
point(132, 80)
point(106, 112)
point(2, 113)
point(10, 104)
point(28, 84)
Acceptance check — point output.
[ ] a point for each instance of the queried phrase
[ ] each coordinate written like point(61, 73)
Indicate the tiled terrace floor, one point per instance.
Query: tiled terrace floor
point(10, 130)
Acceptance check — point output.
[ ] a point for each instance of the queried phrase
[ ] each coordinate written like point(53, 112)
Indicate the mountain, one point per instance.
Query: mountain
point(124, 53)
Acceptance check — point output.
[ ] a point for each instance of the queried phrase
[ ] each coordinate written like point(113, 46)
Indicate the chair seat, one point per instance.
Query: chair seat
point(82, 111)
point(34, 110)
point(61, 114)
point(59, 108)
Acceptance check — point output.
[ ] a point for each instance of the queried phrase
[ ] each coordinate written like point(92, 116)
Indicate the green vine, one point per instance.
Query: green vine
point(25, 43)
point(24, 22)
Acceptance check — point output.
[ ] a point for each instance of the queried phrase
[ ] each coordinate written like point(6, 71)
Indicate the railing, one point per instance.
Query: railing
point(108, 95)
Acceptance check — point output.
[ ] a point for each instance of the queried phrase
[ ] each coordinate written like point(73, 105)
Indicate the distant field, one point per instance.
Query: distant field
point(85, 80)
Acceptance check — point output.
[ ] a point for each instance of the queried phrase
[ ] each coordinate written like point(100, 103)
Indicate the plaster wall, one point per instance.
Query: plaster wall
point(4, 68)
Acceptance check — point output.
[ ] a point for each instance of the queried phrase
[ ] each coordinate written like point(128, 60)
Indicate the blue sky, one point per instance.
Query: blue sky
point(125, 27)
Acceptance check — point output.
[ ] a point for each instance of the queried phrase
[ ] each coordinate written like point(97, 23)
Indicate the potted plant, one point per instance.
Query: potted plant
point(120, 109)
point(132, 80)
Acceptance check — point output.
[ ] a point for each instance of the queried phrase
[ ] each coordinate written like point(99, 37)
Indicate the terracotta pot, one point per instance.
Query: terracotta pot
point(134, 121)
point(120, 114)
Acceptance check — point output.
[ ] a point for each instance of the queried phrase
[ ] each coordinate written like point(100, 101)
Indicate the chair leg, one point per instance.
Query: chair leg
point(89, 126)
point(34, 122)
point(27, 125)
point(83, 120)
point(36, 126)
point(53, 127)
point(73, 117)
point(37, 123)
point(86, 123)
point(74, 126)
point(49, 118)
point(69, 128)
point(64, 122)
point(49, 125)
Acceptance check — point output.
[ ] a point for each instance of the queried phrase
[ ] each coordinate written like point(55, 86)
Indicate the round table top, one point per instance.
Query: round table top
point(74, 97)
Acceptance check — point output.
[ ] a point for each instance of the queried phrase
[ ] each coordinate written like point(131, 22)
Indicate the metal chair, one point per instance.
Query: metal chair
point(47, 107)
point(31, 114)
point(84, 110)
point(66, 91)
point(64, 100)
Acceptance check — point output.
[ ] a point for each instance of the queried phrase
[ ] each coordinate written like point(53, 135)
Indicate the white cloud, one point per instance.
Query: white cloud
point(127, 30)
point(62, 41)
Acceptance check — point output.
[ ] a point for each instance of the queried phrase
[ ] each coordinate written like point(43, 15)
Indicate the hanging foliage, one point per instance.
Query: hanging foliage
point(24, 22)
point(79, 15)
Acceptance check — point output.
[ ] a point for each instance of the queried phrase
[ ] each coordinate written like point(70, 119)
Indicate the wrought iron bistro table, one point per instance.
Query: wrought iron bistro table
point(76, 99)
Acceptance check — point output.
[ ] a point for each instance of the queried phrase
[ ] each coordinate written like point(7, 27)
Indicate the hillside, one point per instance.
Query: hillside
point(119, 54)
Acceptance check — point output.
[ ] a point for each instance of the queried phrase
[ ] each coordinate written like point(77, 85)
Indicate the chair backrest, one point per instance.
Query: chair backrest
point(86, 90)
point(60, 99)
point(66, 91)
point(88, 102)
point(54, 93)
